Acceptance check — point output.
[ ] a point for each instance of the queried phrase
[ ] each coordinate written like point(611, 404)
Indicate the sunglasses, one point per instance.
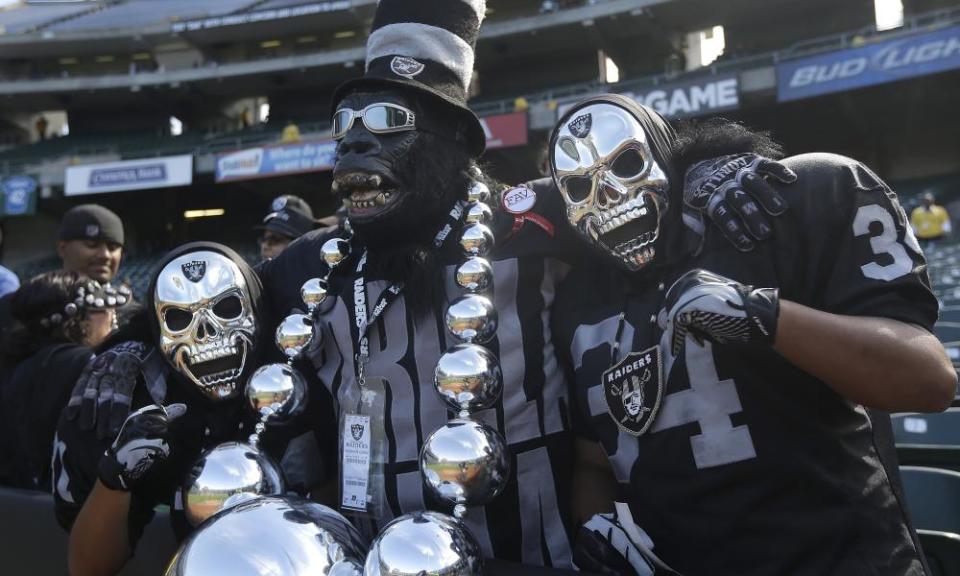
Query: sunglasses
point(380, 118)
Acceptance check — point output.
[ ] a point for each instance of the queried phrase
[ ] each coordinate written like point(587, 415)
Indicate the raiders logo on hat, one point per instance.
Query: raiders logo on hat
point(633, 389)
point(92, 230)
point(278, 203)
point(406, 66)
point(581, 125)
point(194, 270)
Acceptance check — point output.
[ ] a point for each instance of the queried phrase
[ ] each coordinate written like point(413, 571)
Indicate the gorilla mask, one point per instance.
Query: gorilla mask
point(400, 166)
point(613, 184)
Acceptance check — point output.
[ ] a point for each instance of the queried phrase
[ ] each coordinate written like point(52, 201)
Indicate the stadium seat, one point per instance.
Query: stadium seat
point(32, 543)
point(933, 497)
point(942, 550)
point(928, 439)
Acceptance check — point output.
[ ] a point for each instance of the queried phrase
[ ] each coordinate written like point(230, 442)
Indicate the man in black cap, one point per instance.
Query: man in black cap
point(290, 217)
point(91, 241)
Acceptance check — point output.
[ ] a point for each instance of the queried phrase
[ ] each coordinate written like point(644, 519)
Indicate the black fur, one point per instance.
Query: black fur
point(704, 139)
point(433, 175)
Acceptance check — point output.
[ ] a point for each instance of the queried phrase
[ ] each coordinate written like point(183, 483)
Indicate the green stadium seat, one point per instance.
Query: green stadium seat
point(933, 497)
point(928, 439)
point(942, 550)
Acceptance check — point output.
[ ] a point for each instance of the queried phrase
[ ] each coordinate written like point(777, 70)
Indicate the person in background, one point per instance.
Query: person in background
point(291, 133)
point(930, 221)
point(59, 317)
point(91, 242)
point(290, 217)
point(8, 280)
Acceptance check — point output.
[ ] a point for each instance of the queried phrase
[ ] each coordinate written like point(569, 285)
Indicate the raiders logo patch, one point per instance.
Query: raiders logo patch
point(406, 67)
point(519, 200)
point(581, 125)
point(92, 230)
point(195, 270)
point(633, 389)
point(356, 431)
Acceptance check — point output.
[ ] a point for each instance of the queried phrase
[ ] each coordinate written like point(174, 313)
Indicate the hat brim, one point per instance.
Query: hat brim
point(476, 139)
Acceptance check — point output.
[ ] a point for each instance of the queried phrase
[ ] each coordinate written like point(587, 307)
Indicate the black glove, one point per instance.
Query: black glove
point(139, 447)
point(605, 546)
point(711, 307)
point(731, 191)
point(103, 394)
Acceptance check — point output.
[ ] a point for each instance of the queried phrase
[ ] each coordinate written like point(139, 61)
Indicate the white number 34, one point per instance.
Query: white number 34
point(885, 243)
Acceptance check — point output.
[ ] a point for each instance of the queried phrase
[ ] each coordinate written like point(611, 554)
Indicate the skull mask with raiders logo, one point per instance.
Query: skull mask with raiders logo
point(205, 308)
point(611, 160)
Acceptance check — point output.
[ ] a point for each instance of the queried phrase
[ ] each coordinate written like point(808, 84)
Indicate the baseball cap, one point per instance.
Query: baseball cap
point(290, 216)
point(91, 222)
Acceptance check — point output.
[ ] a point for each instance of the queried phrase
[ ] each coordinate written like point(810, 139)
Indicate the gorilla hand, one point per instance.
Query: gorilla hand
point(139, 447)
point(103, 394)
point(711, 307)
point(731, 190)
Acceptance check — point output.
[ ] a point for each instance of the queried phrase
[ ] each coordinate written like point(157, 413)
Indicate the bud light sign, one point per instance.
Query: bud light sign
point(905, 57)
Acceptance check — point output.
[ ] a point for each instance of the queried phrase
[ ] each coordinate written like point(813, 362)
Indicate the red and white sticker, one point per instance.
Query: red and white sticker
point(519, 200)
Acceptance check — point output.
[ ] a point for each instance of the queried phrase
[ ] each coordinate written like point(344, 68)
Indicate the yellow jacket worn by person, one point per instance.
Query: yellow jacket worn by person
point(931, 222)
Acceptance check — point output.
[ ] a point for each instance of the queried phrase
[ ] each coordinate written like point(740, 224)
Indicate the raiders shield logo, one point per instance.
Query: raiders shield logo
point(195, 270)
point(581, 125)
point(633, 389)
point(92, 230)
point(356, 431)
point(406, 67)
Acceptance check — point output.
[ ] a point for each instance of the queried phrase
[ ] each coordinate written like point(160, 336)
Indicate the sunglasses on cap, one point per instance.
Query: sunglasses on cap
point(379, 118)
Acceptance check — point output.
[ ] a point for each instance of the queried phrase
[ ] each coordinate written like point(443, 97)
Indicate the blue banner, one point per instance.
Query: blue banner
point(888, 61)
point(19, 195)
point(276, 160)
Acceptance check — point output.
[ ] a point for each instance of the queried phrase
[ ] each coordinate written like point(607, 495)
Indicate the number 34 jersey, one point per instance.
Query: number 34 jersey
point(749, 465)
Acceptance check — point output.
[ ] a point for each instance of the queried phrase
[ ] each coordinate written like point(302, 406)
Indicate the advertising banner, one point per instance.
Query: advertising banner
point(278, 160)
point(685, 99)
point(19, 196)
point(505, 130)
point(143, 174)
point(896, 59)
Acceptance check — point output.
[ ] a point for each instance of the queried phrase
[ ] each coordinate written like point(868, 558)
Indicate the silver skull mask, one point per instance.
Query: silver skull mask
point(207, 323)
point(613, 187)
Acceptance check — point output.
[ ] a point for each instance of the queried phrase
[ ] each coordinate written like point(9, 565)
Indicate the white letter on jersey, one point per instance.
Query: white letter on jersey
point(884, 243)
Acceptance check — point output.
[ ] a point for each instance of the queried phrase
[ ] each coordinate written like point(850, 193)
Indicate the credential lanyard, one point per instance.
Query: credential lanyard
point(387, 297)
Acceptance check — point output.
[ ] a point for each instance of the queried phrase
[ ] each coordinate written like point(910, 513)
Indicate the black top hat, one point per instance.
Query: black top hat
point(426, 46)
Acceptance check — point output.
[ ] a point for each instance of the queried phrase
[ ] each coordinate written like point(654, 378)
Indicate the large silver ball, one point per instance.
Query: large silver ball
point(475, 275)
point(278, 391)
point(468, 377)
point(472, 318)
point(334, 251)
point(294, 334)
point(465, 462)
point(275, 536)
point(478, 212)
point(223, 475)
point(476, 240)
point(478, 192)
point(313, 292)
point(424, 543)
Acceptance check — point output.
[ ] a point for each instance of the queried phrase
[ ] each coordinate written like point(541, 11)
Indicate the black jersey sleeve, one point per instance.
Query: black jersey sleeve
point(76, 454)
point(863, 257)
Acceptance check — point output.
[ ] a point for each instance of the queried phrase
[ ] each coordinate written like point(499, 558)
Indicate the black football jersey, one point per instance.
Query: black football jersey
point(747, 464)
point(205, 424)
point(529, 522)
